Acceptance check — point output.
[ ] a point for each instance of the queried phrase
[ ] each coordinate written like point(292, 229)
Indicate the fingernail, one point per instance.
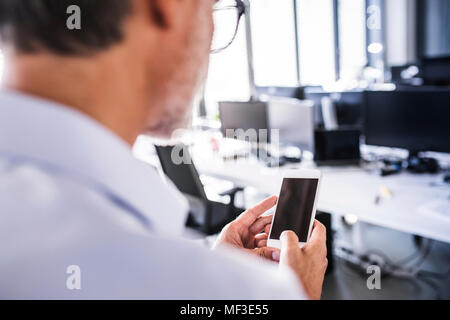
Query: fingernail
point(276, 256)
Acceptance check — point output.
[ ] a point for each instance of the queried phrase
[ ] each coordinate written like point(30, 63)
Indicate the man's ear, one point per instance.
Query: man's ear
point(157, 13)
point(166, 13)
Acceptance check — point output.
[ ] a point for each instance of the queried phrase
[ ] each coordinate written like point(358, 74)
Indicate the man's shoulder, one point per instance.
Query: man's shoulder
point(35, 200)
point(25, 180)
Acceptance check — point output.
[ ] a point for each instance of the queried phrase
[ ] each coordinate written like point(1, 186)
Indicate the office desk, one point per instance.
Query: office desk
point(344, 190)
point(353, 190)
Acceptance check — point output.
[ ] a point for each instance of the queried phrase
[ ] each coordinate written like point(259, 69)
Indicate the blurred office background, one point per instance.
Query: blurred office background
point(359, 89)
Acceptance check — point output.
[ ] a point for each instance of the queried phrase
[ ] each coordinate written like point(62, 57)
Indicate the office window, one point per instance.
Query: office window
point(315, 22)
point(375, 34)
point(352, 38)
point(437, 28)
point(273, 33)
point(228, 74)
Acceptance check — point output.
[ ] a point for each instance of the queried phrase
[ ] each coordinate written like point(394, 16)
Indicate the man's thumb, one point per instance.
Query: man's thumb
point(288, 240)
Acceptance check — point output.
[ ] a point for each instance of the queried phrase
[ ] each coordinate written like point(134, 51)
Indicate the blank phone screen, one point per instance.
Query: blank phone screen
point(295, 207)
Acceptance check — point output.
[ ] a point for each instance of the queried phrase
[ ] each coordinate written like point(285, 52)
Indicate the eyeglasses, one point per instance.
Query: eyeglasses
point(226, 24)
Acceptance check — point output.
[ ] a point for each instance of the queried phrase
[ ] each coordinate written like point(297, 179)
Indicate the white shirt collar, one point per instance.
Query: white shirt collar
point(60, 136)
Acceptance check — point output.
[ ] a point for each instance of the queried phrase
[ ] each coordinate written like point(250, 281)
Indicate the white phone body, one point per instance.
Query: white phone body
point(297, 174)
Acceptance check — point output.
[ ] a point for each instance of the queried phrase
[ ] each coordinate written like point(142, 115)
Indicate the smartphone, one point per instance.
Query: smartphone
point(296, 206)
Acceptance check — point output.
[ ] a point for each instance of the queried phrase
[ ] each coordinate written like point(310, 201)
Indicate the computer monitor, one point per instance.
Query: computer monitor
point(285, 92)
point(349, 106)
point(294, 120)
point(412, 120)
point(245, 116)
point(436, 71)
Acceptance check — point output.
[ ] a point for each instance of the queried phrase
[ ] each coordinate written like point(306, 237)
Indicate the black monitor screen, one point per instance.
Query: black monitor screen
point(243, 115)
point(413, 120)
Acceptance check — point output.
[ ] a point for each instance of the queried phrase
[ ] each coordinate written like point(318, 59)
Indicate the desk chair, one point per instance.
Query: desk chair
point(205, 215)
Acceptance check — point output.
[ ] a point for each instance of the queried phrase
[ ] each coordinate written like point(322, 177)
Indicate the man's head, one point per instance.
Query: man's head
point(148, 55)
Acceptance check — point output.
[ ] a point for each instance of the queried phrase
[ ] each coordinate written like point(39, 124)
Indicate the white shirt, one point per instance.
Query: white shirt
point(72, 194)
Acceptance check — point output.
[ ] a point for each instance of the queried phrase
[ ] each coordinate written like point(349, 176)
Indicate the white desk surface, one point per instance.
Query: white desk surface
point(352, 190)
point(345, 191)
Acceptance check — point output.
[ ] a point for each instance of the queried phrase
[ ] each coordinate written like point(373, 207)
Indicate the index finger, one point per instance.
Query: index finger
point(260, 224)
point(248, 217)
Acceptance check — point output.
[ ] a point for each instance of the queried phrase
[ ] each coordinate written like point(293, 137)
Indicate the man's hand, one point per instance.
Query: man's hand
point(309, 262)
point(246, 232)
